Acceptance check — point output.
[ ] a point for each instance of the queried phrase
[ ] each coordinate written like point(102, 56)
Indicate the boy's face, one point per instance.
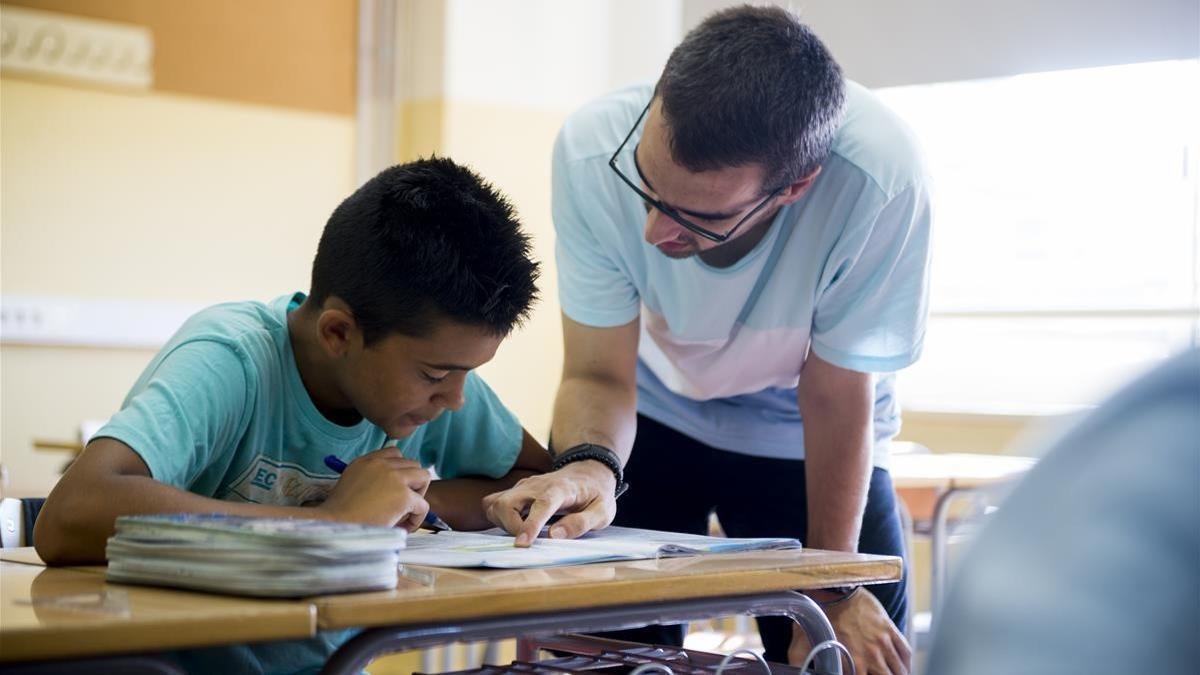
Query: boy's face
point(402, 382)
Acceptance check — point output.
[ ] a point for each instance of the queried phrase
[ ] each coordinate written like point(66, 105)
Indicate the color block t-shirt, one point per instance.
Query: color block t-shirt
point(221, 411)
point(843, 272)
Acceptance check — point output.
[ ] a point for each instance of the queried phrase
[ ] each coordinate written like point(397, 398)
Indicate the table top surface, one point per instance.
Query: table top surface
point(26, 555)
point(65, 612)
point(428, 594)
point(955, 470)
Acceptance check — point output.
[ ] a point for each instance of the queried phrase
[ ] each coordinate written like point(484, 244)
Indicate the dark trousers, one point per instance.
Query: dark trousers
point(675, 482)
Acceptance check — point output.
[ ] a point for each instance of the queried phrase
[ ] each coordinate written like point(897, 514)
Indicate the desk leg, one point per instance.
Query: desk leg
point(491, 653)
point(358, 652)
point(906, 524)
point(938, 541)
point(527, 648)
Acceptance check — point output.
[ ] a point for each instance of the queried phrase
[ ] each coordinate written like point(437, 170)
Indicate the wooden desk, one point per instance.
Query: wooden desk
point(928, 483)
point(429, 594)
point(26, 555)
point(956, 470)
point(435, 605)
point(63, 613)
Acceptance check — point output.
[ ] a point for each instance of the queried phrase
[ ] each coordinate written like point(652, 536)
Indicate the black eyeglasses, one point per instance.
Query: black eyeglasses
point(666, 209)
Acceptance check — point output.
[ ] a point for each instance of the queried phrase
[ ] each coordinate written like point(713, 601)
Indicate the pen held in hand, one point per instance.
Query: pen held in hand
point(431, 522)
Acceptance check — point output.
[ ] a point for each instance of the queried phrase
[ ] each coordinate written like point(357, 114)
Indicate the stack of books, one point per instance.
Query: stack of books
point(272, 557)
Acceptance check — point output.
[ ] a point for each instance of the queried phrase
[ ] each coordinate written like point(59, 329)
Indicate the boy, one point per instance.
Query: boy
point(418, 277)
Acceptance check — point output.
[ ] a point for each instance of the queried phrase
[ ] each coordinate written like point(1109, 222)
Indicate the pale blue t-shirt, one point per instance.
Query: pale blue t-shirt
point(221, 411)
point(843, 272)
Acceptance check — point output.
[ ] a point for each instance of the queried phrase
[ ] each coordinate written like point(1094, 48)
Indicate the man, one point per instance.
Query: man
point(738, 350)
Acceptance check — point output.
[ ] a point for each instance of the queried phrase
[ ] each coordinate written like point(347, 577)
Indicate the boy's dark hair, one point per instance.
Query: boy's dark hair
point(752, 85)
point(424, 241)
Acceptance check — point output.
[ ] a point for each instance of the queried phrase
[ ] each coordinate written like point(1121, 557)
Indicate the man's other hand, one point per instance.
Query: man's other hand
point(861, 624)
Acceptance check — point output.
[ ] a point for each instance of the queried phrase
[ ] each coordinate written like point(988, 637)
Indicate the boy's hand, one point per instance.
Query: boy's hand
point(584, 490)
point(380, 488)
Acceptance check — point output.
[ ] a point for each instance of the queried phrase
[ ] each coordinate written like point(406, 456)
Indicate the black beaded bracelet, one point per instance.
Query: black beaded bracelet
point(601, 454)
point(853, 591)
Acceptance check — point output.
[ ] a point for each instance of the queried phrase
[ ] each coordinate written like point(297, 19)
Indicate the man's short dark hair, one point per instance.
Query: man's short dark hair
point(752, 85)
point(425, 241)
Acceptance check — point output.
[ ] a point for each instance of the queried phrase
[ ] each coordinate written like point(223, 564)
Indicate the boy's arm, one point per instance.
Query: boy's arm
point(109, 480)
point(459, 501)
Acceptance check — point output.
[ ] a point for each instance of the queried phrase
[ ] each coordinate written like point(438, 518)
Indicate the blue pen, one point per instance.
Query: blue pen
point(431, 522)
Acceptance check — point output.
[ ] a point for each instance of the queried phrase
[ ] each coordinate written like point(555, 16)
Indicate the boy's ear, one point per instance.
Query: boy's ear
point(337, 331)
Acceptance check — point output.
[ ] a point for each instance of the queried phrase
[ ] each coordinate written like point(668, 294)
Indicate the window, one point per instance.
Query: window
point(1066, 241)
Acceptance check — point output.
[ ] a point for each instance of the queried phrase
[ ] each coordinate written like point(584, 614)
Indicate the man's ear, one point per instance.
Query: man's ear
point(797, 189)
point(337, 331)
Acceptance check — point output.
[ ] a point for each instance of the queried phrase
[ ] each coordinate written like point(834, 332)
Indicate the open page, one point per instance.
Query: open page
point(494, 548)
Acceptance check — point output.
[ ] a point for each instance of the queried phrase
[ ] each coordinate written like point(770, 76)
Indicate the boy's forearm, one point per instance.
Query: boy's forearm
point(459, 501)
point(78, 518)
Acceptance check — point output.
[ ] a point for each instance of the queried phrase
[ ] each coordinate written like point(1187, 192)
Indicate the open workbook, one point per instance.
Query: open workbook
point(494, 548)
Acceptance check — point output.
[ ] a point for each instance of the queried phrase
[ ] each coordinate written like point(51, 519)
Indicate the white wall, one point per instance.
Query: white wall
point(494, 91)
point(554, 54)
point(151, 197)
point(884, 43)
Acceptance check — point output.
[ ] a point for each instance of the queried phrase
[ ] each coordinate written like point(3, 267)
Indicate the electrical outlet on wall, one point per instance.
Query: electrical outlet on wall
point(52, 320)
point(64, 46)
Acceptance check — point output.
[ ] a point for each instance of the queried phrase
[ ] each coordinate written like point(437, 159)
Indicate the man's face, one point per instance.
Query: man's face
point(402, 382)
point(715, 200)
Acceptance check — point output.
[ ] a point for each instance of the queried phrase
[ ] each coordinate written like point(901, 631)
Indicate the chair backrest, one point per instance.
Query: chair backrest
point(17, 517)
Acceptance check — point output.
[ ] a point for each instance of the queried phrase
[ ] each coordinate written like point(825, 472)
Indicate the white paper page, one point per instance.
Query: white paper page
point(681, 543)
point(494, 548)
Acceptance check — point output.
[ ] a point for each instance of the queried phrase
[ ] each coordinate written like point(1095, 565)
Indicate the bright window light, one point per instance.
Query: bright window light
point(1066, 241)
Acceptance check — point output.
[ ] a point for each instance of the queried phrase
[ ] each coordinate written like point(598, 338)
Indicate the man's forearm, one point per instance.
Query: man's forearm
point(590, 409)
point(837, 475)
point(837, 406)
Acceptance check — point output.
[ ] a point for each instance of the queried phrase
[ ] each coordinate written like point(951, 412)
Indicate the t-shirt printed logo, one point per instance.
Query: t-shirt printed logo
point(268, 481)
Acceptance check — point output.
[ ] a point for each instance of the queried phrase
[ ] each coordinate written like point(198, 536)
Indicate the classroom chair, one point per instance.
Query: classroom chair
point(17, 517)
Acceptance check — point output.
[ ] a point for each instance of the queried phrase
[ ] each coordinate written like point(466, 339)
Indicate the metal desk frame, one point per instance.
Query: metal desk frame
point(358, 652)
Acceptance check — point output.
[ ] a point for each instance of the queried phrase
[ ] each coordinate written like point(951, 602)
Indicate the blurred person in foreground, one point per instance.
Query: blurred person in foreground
point(1093, 563)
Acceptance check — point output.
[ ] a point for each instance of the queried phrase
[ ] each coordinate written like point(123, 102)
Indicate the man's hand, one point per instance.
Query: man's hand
point(861, 624)
point(380, 488)
point(584, 490)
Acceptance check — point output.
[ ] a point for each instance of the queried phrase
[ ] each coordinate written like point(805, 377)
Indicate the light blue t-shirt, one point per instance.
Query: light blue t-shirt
point(843, 272)
point(221, 411)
